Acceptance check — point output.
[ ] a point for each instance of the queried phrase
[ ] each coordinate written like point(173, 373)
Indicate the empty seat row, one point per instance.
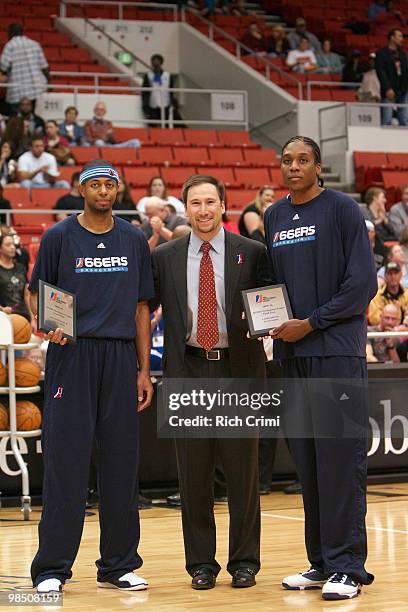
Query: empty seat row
point(369, 167)
point(183, 137)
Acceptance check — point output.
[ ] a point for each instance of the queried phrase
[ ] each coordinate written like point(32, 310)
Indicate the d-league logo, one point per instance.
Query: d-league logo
point(101, 264)
point(58, 394)
point(294, 235)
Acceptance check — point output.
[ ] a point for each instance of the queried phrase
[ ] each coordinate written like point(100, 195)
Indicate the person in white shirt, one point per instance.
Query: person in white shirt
point(36, 168)
point(303, 58)
point(157, 187)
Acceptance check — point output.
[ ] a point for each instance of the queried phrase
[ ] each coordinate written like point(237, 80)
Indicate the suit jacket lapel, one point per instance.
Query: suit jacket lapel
point(178, 266)
point(232, 269)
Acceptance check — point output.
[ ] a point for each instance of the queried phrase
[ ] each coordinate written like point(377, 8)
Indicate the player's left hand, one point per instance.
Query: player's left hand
point(144, 391)
point(291, 331)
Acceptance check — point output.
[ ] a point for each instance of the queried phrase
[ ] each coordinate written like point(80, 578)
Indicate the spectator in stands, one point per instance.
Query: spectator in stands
point(303, 58)
point(25, 66)
point(385, 349)
point(57, 145)
point(36, 168)
point(299, 32)
point(100, 133)
point(370, 90)
point(375, 202)
point(377, 7)
point(69, 128)
point(157, 187)
point(17, 135)
point(379, 249)
point(392, 71)
point(237, 8)
point(8, 165)
point(159, 223)
point(398, 213)
point(160, 99)
point(353, 69)
point(13, 281)
point(277, 44)
point(391, 293)
point(4, 205)
point(124, 202)
point(328, 62)
point(397, 255)
point(36, 124)
point(251, 217)
point(70, 201)
point(254, 39)
point(404, 242)
point(22, 255)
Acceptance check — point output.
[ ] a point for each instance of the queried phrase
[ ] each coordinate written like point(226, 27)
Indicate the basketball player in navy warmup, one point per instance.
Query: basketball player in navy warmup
point(93, 388)
point(318, 246)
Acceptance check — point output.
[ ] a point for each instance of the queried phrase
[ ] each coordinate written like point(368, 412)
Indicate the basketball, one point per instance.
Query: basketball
point(27, 372)
point(3, 375)
point(4, 418)
point(28, 416)
point(21, 329)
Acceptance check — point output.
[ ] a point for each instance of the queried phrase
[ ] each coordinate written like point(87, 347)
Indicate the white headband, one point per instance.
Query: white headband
point(99, 172)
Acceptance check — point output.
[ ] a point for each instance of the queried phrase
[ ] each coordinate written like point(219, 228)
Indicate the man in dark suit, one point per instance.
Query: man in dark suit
point(198, 281)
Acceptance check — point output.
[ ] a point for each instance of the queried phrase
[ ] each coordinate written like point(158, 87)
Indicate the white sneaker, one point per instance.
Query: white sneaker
point(310, 579)
point(127, 582)
point(340, 586)
point(51, 585)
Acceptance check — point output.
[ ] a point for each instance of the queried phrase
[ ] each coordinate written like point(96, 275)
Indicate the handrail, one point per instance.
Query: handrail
point(239, 46)
point(119, 5)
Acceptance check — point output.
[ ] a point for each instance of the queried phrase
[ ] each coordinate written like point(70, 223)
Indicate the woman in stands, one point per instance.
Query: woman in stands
point(250, 222)
point(8, 166)
point(13, 281)
point(157, 187)
point(17, 134)
point(124, 202)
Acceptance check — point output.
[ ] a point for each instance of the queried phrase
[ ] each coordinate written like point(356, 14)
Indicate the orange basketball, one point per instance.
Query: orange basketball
point(27, 372)
point(3, 375)
point(28, 416)
point(21, 329)
point(4, 418)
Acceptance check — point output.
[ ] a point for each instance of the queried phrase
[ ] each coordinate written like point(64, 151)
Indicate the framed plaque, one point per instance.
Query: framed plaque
point(266, 308)
point(56, 308)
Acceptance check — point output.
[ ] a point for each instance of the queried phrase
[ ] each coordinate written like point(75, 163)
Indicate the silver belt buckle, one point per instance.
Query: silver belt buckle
point(217, 358)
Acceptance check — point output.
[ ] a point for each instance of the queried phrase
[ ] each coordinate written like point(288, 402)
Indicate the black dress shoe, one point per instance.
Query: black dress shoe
point(203, 579)
point(264, 490)
point(294, 488)
point(242, 578)
point(174, 500)
point(144, 503)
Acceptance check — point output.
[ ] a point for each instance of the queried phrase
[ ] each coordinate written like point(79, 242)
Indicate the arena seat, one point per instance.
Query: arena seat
point(83, 155)
point(66, 172)
point(176, 176)
point(155, 155)
point(227, 157)
point(121, 156)
point(191, 155)
point(126, 133)
point(161, 136)
point(261, 157)
point(252, 177)
point(139, 177)
point(226, 175)
point(397, 161)
point(239, 198)
point(207, 138)
point(46, 198)
point(17, 196)
point(236, 138)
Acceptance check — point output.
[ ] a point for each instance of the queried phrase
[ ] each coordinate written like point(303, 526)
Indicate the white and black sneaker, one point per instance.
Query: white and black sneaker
point(340, 586)
point(127, 582)
point(310, 579)
point(50, 585)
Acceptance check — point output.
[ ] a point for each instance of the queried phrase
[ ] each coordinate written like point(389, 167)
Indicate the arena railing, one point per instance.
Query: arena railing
point(66, 4)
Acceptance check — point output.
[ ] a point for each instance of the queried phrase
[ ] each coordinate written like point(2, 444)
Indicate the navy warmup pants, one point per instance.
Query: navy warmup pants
point(90, 392)
point(333, 474)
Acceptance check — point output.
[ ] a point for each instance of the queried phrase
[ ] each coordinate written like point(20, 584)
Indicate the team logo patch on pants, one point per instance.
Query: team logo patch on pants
point(58, 394)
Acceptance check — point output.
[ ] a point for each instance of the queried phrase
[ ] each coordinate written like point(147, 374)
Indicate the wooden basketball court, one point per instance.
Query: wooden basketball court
point(282, 554)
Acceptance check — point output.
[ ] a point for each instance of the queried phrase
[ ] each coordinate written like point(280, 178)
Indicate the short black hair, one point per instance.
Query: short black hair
point(51, 121)
point(199, 179)
point(15, 29)
point(75, 177)
point(315, 150)
point(70, 108)
point(392, 32)
point(157, 56)
point(35, 138)
point(95, 163)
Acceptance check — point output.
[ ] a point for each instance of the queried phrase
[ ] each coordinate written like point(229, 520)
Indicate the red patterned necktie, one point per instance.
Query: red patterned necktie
point(207, 322)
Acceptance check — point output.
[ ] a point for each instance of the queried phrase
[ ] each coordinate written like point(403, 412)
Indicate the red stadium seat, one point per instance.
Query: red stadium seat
point(368, 168)
point(252, 177)
point(66, 172)
point(162, 136)
point(398, 161)
point(239, 198)
point(122, 134)
point(122, 157)
point(140, 177)
point(82, 155)
point(155, 155)
point(227, 157)
point(232, 138)
point(207, 138)
point(33, 249)
point(137, 194)
point(177, 176)
point(46, 198)
point(261, 157)
point(191, 155)
point(17, 196)
point(225, 175)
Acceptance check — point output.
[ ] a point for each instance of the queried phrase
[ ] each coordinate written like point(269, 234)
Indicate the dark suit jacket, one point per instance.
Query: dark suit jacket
point(247, 357)
point(387, 73)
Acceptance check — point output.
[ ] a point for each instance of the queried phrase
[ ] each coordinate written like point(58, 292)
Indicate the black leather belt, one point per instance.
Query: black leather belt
point(213, 355)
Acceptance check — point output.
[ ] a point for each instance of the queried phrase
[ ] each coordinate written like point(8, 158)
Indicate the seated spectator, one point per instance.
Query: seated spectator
point(159, 223)
point(254, 39)
point(375, 201)
point(398, 213)
point(251, 216)
point(124, 202)
point(328, 62)
point(303, 58)
point(100, 133)
point(391, 293)
point(153, 102)
point(14, 296)
point(385, 349)
point(277, 44)
point(353, 69)
point(70, 201)
point(299, 32)
point(36, 168)
point(237, 8)
point(57, 145)
point(377, 7)
point(8, 166)
point(404, 242)
point(36, 125)
point(17, 135)
point(379, 249)
point(4, 205)
point(395, 254)
point(157, 187)
point(370, 90)
point(70, 129)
